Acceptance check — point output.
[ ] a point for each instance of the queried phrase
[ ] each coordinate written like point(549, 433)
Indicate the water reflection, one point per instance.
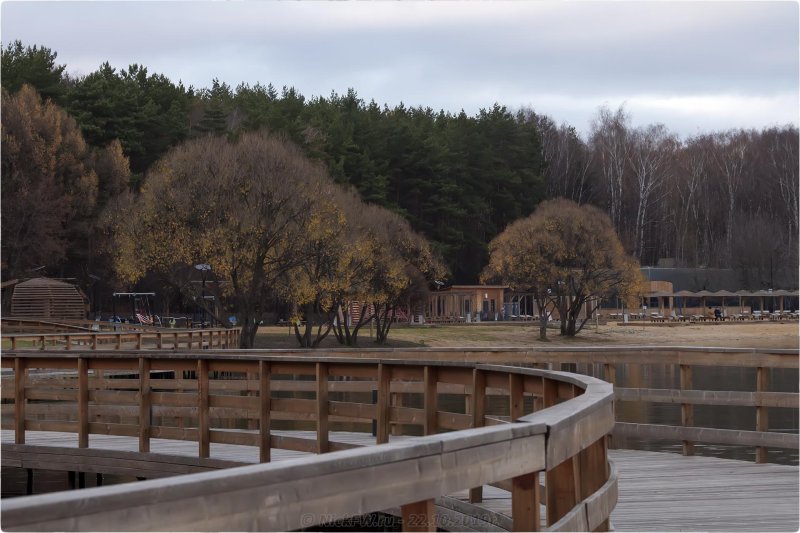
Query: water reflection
point(711, 416)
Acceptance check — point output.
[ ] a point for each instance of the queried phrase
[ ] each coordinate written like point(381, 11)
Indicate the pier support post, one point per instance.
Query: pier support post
point(202, 407)
point(687, 410)
point(515, 397)
point(430, 399)
point(762, 420)
point(144, 405)
point(264, 440)
point(384, 386)
point(323, 445)
point(83, 403)
point(19, 400)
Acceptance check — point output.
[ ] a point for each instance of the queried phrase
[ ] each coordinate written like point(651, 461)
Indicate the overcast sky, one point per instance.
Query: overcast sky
point(694, 66)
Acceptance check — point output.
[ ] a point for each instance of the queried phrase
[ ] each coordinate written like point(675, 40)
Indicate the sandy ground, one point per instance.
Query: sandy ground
point(740, 335)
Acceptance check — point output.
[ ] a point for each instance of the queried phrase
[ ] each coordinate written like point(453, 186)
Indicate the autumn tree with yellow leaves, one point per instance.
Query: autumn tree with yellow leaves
point(565, 254)
point(243, 207)
point(271, 224)
point(356, 253)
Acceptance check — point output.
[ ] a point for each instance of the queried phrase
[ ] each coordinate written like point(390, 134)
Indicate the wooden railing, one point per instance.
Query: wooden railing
point(127, 338)
point(632, 363)
point(628, 368)
point(462, 412)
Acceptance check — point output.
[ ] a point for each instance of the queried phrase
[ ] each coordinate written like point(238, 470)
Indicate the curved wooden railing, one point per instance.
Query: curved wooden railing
point(504, 426)
point(628, 368)
point(127, 337)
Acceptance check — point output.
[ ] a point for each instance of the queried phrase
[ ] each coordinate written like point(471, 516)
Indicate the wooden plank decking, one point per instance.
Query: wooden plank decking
point(657, 491)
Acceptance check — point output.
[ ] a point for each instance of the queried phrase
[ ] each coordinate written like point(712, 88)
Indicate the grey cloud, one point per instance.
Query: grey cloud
point(440, 54)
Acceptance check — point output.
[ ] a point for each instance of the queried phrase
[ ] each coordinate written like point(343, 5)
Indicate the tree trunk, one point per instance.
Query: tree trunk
point(384, 323)
point(542, 305)
point(249, 329)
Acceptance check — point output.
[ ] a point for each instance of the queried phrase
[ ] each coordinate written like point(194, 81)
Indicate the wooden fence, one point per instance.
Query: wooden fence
point(549, 423)
point(127, 338)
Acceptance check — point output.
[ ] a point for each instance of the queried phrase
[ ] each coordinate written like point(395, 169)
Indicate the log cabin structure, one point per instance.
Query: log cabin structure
point(49, 299)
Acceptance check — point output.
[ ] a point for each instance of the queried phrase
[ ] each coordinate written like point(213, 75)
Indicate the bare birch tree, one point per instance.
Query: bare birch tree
point(651, 154)
point(610, 142)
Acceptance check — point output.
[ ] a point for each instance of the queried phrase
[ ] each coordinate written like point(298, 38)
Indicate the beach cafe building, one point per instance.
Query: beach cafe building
point(467, 303)
point(484, 303)
point(662, 299)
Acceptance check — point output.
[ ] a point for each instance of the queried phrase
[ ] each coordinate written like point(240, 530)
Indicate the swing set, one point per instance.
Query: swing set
point(141, 307)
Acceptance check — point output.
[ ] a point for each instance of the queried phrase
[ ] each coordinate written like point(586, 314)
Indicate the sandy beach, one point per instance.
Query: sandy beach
point(728, 334)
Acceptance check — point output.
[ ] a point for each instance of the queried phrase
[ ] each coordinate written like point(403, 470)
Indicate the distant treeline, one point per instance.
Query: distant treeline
point(723, 199)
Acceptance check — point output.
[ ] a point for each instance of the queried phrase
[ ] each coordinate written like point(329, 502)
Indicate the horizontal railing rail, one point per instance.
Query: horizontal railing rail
point(63, 325)
point(507, 426)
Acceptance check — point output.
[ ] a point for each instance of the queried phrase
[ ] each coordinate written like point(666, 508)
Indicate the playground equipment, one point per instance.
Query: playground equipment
point(140, 306)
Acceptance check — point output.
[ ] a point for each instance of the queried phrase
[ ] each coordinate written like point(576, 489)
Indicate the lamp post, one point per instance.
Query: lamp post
point(203, 268)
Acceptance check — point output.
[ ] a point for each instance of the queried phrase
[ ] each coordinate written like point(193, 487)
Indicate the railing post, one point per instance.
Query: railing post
point(66, 342)
point(525, 500)
point(13, 343)
point(94, 341)
point(594, 471)
point(139, 341)
point(43, 341)
point(419, 516)
point(202, 401)
point(762, 419)
point(430, 397)
point(264, 441)
point(159, 340)
point(175, 341)
point(478, 419)
point(83, 403)
point(119, 341)
point(515, 397)
point(323, 445)
point(562, 489)
point(19, 400)
point(549, 393)
point(610, 375)
point(384, 384)
point(144, 405)
point(687, 411)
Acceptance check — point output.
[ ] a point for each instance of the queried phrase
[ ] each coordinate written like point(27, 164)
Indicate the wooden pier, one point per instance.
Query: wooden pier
point(657, 491)
point(467, 446)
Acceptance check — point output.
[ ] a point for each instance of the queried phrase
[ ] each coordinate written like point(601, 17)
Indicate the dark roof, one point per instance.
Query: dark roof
point(695, 279)
point(47, 298)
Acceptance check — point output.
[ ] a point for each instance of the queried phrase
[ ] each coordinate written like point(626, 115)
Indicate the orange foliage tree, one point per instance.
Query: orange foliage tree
point(565, 254)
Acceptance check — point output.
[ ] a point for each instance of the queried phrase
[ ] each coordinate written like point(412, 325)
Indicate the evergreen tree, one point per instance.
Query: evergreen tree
point(35, 66)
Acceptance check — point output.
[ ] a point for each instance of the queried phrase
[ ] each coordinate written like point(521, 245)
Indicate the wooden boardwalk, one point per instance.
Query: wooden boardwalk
point(657, 491)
